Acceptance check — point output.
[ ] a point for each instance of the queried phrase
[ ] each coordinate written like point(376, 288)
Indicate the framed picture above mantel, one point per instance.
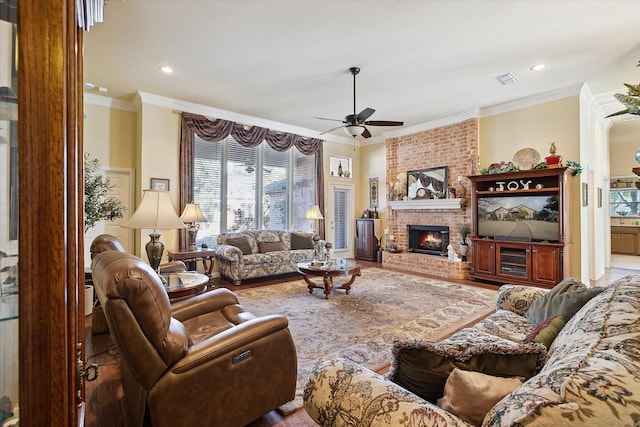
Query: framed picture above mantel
point(427, 183)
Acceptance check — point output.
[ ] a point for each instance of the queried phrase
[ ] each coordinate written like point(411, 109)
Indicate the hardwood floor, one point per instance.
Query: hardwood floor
point(104, 395)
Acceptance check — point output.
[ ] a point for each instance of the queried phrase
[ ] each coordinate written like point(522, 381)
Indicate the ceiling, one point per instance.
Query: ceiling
point(288, 61)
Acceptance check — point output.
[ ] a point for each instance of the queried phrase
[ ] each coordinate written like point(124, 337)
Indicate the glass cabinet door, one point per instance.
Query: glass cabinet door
point(9, 392)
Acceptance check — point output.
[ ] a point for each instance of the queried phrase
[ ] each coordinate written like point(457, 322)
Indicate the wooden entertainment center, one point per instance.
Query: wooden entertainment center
point(516, 243)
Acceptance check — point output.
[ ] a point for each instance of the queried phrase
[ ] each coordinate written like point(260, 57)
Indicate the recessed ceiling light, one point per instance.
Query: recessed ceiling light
point(166, 69)
point(538, 67)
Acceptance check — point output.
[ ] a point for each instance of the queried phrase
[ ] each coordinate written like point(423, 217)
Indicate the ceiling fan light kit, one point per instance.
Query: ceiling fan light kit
point(354, 130)
point(354, 124)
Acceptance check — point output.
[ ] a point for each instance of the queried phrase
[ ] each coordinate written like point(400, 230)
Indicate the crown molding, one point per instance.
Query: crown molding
point(604, 101)
point(106, 101)
point(530, 101)
point(190, 107)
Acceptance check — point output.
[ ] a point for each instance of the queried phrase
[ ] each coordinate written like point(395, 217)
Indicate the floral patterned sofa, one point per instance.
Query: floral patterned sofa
point(252, 254)
point(590, 374)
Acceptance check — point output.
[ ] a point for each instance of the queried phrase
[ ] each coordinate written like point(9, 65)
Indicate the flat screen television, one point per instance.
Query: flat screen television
point(519, 218)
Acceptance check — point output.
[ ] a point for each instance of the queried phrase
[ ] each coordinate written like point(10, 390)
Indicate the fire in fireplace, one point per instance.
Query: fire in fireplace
point(428, 239)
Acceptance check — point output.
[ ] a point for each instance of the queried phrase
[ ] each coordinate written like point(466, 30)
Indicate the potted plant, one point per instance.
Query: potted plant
point(464, 230)
point(97, 205)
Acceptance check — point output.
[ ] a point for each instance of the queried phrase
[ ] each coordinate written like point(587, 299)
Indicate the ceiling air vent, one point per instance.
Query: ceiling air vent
point(507, 79)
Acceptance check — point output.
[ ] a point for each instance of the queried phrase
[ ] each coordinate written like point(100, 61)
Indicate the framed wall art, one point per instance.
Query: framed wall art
point(160, 184)
point(373, 193)
point(427, 183)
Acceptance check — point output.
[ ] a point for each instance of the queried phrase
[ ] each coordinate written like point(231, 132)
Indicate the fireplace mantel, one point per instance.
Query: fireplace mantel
point(426, 204)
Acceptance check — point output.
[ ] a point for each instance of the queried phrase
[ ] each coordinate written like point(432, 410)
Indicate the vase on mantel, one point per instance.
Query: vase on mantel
point(464, 251)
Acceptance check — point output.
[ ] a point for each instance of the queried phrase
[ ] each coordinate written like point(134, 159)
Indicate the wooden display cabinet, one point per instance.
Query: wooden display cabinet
point(517, 252)
point(366, 240)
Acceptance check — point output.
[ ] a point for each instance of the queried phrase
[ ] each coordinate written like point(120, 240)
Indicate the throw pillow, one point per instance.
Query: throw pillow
point(423, 367)
point(241, 243)
point(301, 241)
point(270, 246)
point(546, 332)
point(471, 395)
point(566, 298)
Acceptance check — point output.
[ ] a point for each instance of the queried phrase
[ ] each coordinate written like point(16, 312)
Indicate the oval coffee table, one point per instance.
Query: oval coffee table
point(327, 273)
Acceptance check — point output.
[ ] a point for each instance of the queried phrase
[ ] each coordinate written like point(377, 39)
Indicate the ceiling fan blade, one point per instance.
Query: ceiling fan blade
point(333, 120)
point(330, 130)
point(366, 133)
point(383, 123)
point(365, 114)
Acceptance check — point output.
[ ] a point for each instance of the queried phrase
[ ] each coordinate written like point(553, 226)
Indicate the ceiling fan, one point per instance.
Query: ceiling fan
point(354, 124)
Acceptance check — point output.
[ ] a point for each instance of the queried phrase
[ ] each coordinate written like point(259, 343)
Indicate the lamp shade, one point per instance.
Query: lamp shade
point(313, 212)
point(193, 213)
point(155, 211)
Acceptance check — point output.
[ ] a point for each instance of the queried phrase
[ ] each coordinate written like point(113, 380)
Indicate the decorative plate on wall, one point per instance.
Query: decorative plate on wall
point(526, 158)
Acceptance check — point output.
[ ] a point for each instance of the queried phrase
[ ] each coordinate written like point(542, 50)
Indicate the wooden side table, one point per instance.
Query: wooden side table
point(182, 285)
point(207, 256)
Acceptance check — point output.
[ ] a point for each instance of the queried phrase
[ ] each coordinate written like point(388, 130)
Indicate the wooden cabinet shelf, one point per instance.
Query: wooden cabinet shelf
point(513, 249)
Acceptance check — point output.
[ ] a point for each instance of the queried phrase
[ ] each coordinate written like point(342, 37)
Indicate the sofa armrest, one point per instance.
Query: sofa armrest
point(203, 303)
point(228, 253)
point(517, 298)
point(339, 392)
point(226, 342)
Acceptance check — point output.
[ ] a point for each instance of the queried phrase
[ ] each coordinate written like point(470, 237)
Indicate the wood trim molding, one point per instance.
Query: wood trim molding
point(49, 233)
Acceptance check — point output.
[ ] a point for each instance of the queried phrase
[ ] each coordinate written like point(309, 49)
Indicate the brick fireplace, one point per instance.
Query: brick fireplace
point(454, 146)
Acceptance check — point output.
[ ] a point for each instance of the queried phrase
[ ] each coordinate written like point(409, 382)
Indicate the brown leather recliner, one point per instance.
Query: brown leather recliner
point(106, 242)
point(203, 361)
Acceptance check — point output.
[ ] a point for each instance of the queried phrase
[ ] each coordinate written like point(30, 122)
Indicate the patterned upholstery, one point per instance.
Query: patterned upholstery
point(236, 267)
point(591, 375)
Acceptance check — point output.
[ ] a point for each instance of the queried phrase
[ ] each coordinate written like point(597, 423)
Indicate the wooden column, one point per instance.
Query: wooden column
point(50, 236)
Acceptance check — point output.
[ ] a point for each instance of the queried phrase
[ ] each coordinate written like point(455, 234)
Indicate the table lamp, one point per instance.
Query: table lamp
point(313, 213)
point(155, 211)
point(192, 215)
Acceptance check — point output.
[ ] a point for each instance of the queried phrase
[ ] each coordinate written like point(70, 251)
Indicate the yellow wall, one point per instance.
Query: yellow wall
point(623, 158)
point(110, 135)
point(502, 135)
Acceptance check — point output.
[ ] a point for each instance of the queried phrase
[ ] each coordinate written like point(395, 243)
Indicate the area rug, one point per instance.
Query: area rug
point(383, 305)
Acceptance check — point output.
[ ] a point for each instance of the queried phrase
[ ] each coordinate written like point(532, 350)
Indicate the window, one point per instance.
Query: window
point(340, 166)
point(341, 197)
point(251, 188)
point(624, 202)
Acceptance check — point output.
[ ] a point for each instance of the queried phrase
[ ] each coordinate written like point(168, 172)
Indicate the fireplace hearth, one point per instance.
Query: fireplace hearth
point(428, 239)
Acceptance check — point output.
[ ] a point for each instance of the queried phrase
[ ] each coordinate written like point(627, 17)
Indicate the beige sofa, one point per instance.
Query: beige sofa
point(253, 254)
point(590, 374)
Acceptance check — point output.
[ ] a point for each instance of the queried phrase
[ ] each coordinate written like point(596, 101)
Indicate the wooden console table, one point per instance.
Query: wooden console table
point(192, 257)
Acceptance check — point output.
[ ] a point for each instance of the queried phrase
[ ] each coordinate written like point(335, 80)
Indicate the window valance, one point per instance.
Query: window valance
point(248, 136)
